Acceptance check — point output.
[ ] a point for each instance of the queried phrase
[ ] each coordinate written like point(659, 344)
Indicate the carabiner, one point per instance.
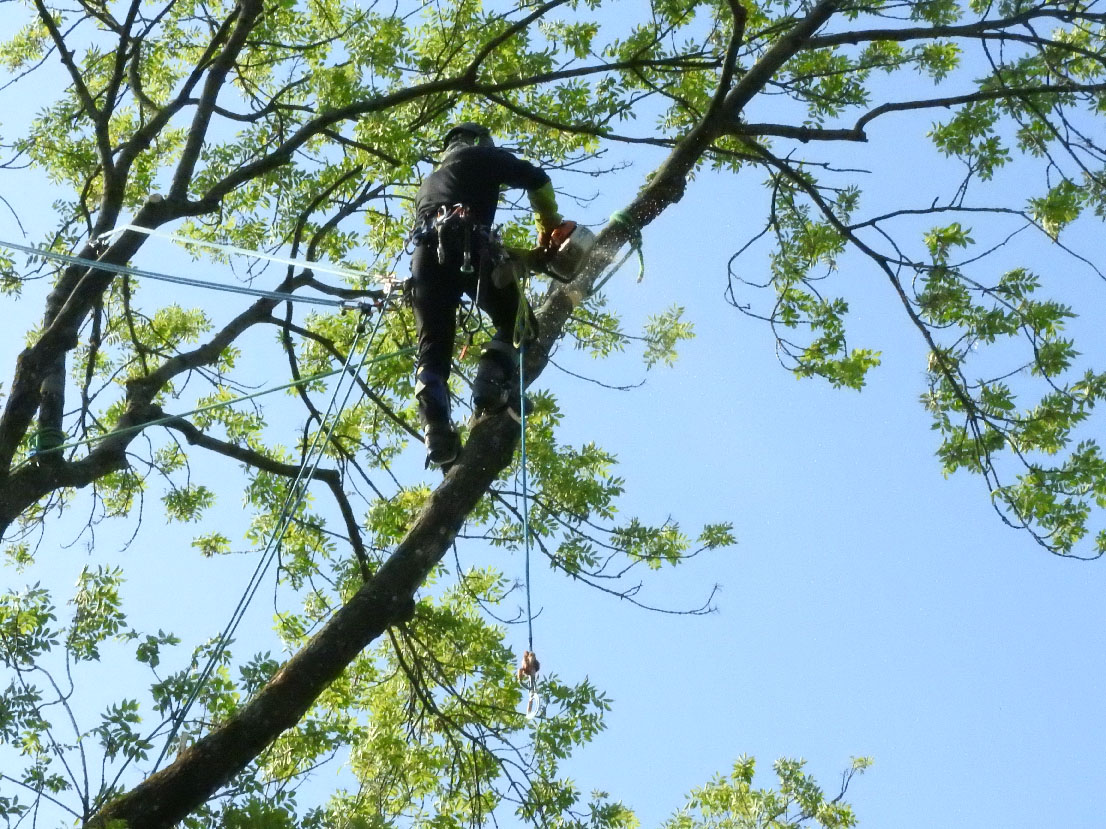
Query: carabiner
point(535, 707)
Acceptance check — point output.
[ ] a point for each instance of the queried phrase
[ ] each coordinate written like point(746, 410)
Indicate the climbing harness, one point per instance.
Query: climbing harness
point(447, 220)
point(497, 263)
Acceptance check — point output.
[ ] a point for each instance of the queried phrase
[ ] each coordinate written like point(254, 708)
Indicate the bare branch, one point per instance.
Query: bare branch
point(969, 30)
point(331, 477)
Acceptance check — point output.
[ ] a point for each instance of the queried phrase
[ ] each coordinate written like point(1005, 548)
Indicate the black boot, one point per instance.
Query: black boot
point(443, 444)
point(494, 385)
point(442, 441)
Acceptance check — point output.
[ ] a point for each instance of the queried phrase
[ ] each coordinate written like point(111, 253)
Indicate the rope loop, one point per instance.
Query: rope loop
point(47, 440)
point(525, 327)
point(623, 217)
point(626, 221)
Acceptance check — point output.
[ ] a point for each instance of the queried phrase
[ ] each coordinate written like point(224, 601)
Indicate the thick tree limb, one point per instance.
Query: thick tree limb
point(387, 598)
point(248, 13)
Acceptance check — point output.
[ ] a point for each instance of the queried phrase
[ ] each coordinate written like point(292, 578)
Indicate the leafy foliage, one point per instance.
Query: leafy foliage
point(304, 128)
point(733, 803)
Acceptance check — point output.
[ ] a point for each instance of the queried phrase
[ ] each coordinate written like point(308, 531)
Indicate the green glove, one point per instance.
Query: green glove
point(543, 201)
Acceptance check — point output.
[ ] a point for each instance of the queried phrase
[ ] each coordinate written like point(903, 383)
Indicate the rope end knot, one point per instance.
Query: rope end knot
point(529, 668)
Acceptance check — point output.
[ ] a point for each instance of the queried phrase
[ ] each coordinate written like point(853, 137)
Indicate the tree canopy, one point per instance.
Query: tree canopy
point(300, 131)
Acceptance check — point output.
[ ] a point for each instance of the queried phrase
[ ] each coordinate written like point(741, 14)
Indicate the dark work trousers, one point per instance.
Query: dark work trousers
point(436, 290)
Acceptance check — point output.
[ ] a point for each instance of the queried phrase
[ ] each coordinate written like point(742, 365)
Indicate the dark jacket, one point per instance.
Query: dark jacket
point(474, 176)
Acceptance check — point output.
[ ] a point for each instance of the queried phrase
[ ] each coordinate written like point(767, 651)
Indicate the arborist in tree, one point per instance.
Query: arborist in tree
point(457, 251)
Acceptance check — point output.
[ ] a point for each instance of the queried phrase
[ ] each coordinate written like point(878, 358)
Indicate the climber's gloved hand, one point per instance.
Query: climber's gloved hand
point(557, 236)
point(546, 225)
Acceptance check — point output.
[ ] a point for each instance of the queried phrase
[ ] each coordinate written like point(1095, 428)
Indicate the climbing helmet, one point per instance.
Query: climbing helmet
point(471, 133)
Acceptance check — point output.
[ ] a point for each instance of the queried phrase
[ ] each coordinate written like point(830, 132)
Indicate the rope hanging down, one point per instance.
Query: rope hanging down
point(530, 665)
point(525, 492)
point(522, 333)
point(292, 501)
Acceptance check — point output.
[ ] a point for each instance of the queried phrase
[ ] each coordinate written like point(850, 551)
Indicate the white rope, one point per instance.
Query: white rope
point(125, 270)
point(256, 254)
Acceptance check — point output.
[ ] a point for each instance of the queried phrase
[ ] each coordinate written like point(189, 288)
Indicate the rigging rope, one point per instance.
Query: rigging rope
point(525, 492)
point(311, 265)
point(125, 270)
point(530, 664)
point(292, 501)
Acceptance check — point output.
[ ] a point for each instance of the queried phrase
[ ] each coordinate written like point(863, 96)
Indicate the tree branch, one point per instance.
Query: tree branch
point(968, 30)
point(331, 477)
point(387, 598)
point(976, 97)
point(247, 12)
point(803, 133)
point(857, 132)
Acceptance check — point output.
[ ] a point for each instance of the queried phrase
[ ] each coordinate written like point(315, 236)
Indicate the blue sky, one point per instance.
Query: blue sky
point(871, 607)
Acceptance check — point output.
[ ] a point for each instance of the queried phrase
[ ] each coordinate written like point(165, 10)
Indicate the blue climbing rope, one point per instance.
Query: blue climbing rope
point(525, 492)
